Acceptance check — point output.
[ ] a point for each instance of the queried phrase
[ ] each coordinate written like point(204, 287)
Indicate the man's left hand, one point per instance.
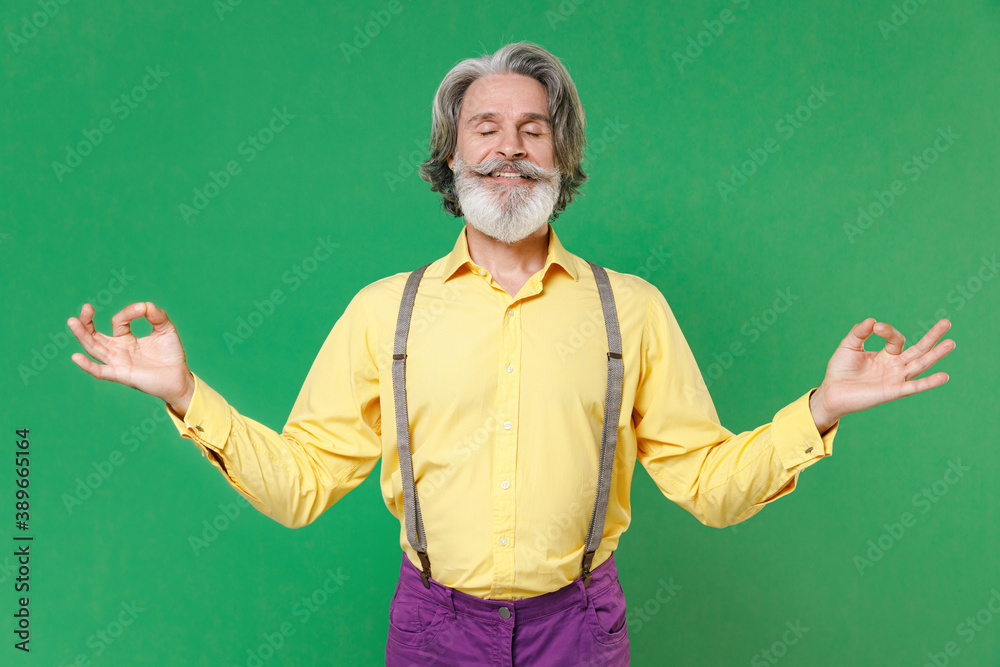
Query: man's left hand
point(857, 380)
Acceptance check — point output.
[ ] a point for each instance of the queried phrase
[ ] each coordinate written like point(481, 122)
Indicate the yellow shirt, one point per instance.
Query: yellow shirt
point(506, 403)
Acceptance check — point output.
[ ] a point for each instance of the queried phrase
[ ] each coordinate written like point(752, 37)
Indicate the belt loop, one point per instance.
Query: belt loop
point(583, 592)
point(451, 602)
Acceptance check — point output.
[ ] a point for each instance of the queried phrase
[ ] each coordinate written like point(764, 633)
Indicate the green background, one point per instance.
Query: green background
point(343, 169)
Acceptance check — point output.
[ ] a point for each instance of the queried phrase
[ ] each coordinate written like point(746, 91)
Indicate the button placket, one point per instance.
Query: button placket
point(505, 454)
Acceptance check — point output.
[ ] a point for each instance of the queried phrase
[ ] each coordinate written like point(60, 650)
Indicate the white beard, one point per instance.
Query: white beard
point(506, 212)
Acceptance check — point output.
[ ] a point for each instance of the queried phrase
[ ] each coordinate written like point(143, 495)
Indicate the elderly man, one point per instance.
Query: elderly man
point(508, 388)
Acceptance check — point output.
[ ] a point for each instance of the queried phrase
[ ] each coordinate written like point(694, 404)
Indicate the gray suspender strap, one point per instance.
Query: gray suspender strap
point(612, 409)
point(609, 437)
point(411, 506)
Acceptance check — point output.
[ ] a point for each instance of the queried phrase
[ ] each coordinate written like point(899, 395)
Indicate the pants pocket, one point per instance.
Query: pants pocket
point(606, 614)
point(413, 620)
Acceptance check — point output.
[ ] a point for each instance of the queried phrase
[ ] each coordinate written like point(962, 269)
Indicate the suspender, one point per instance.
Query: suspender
point(411, 507)
point(612, 408)
point(609, 437)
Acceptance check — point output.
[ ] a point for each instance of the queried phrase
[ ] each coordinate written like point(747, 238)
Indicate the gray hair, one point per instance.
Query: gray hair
point(564, 107)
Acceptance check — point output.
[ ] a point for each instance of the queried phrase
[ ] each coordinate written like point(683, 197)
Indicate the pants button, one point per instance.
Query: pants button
point(504, 612)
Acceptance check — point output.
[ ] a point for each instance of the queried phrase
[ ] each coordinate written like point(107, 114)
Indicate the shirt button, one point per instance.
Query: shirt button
point(503, 541)
point(501, 590)
point(510, 368)
point(481, 271)
point(506, 425)
point(509, 312)
point(809, 450)
point(505, 484)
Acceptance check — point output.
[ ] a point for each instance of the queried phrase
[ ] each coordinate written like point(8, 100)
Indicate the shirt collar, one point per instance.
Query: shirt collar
point(459, 256)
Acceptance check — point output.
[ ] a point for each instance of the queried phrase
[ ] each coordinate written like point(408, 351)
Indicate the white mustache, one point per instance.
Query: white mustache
point(523, 167)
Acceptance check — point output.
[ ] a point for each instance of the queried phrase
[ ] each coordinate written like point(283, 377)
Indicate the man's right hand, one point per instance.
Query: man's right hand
point(154, 364)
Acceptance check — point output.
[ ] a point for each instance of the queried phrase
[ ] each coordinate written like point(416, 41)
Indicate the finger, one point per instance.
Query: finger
point(927, 341)
point(120, 321)
point(894, 340)
point(87, 317)
point(923, 384)
point(855, 340)
point(79, 329)
point(98, 371)
point(158, 318)
point(925, 361)
point(88, 340)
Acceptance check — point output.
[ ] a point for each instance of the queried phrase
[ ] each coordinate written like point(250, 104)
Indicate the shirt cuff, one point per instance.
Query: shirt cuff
point(207, 421)
point(795, 437)
point(798, 444)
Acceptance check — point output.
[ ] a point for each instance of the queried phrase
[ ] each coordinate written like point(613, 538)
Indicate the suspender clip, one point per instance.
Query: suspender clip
point(614, 355)
point(588, 558)
point(425, 574)
point(399, 356)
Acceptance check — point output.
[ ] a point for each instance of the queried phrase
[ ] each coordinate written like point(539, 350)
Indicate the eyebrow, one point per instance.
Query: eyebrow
point(493, 115)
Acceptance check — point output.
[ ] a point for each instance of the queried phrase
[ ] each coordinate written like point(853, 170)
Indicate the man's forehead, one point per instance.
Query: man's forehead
point(491, 97)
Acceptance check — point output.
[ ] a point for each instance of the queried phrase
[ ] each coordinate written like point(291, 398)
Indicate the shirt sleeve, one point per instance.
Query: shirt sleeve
point(328, 446)
point(720, 477)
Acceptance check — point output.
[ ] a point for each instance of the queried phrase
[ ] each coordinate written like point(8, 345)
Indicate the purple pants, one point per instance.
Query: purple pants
point(572, 626)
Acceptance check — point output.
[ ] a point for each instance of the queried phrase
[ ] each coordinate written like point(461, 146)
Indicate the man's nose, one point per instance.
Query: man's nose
point(511, 146)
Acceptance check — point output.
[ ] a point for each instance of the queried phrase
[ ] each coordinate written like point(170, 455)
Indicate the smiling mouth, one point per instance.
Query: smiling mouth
point(502, 176)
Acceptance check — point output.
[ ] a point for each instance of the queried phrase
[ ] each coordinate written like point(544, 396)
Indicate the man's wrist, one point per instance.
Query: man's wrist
point(180, 405)
point(822, 416)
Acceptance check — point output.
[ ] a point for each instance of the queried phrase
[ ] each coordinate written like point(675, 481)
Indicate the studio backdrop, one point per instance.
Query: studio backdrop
point(779, 171)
